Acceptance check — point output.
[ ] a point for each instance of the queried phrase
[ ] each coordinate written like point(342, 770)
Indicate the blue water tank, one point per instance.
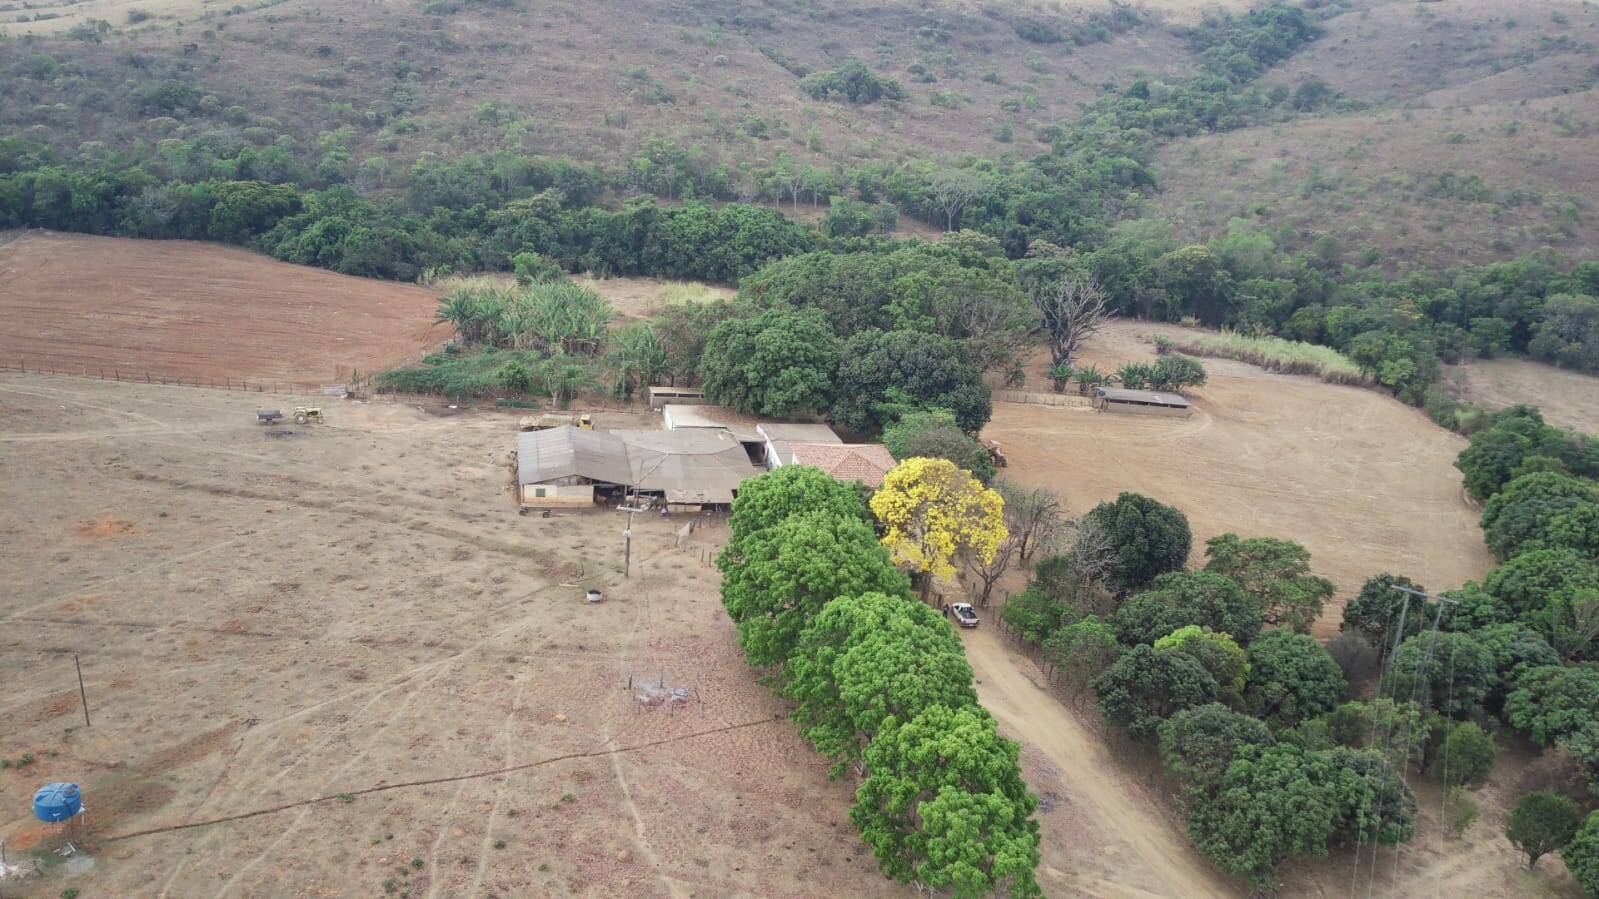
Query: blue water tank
point(57, 802)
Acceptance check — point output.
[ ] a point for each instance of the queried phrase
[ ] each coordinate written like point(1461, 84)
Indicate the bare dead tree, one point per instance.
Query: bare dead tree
point(1091, 558)
point(1035, 516)
point(952, 189)
point(1073, 309)
point(988, 573)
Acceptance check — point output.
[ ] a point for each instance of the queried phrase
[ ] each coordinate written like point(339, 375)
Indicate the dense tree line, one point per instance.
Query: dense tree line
point(880, 685)
point(1253, 722)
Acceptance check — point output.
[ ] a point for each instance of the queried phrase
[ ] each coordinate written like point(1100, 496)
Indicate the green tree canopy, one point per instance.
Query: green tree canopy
point(1181, 598)
point(776, 363)
point(787, 573)
point(1273, 804)
point(1542, 822)
point(1292, 678)
point(1197, 744)
point(1452, 671)
point(1536, 579)
point(1550, 702)
point(1081, 651)
point(1145, 686)
point(1217, 652)
point(1524, 513)
point(945, 805)
point(865, 658)
point(1276, 573)
point(1148, 539)
point(936, 434)
point(683, 328)
point(1581, 855)
point(764, 502)
point(1468, 755)
point(885, 374)
point(1376, 611)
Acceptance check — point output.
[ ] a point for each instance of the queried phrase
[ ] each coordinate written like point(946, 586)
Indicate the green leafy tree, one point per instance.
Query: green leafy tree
point(1273, 804)
point(786, 574)
point(1376, 612)
point(766, 501)
point(562, 378)
point(935, 434)
point(635, 359)
point(1581, 855)
point(1551, 702)
point(1276, 573)
point(1146, 686)
point(1182, 598)
point(865, 658)
point(1468, 755)
point(1542, 822)
point(885, 374)
point(1034, 615)
point(1525, 510)
point(1198, 744)
point(1531, 582)
point(1148, 537)
point(776, 363)
point(1221, 656)
point(1081, 651)
point(1451, 671)
point(1372, 801)
point(1292, 678)
point(1569, 333)
point(945, 805)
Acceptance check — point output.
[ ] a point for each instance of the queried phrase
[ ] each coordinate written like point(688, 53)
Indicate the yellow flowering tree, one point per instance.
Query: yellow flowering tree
point(931, 510)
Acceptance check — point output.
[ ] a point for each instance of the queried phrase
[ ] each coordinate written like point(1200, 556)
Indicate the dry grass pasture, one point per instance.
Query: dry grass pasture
point(1363, 481)
point(186, 309)
point(1566, 398)
point(270, 616)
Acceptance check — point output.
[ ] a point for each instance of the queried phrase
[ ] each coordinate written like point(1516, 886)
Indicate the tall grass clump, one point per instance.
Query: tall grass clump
point(1273, 354)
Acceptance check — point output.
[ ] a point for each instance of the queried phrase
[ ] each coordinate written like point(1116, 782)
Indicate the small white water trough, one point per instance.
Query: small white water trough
point(594, 595)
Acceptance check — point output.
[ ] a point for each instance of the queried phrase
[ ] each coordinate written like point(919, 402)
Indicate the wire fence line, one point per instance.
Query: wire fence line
point(142, 376)
point(1040, 399)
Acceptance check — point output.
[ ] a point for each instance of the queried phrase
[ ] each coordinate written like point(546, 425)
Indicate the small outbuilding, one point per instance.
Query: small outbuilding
point(685, 396)
point(1145, 402)
point(781, 437)
point(867, 463)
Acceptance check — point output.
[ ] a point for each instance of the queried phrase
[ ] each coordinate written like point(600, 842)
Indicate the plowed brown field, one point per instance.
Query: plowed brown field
point(199, 310)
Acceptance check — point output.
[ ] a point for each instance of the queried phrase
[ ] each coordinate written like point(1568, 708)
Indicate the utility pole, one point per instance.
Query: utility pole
point(82, 693)
point(627, 536)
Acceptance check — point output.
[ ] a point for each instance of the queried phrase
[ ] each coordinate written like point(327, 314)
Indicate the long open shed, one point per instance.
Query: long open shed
point(572, 467)
point(1147, 402)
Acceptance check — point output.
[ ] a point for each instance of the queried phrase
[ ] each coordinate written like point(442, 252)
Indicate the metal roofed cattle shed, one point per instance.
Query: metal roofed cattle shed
point(661, 396)
point(565, 466)
point(1147, 402)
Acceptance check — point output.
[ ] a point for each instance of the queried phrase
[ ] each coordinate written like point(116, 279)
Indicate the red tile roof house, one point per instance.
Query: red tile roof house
point(864, 462)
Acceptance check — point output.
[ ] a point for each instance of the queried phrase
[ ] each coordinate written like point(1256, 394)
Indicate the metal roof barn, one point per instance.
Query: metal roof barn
point(694, 465)
point(1141, 401)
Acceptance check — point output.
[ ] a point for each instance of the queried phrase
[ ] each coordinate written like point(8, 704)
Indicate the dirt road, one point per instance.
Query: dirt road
point(1141, 853)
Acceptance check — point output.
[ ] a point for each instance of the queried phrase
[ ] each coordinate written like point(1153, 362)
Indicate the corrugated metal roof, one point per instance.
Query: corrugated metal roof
point(682, 417)
point(797, 432)
point(699, 462)
point(1147, 397)
point(555, 453)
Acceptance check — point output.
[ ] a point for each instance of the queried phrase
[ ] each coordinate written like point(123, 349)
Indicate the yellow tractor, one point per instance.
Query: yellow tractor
point(307, 414)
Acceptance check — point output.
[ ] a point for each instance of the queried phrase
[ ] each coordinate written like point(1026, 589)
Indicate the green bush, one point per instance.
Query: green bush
point(851, 82)
point(1468, 755)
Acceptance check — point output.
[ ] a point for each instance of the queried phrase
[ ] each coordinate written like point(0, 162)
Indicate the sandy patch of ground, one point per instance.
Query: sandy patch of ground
point(1567, 398)
point(200, 310)
point(1363, 481)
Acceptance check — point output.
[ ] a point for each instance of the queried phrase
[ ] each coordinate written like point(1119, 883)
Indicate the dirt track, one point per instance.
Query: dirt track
point(181, 308)
point(1366, 483)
